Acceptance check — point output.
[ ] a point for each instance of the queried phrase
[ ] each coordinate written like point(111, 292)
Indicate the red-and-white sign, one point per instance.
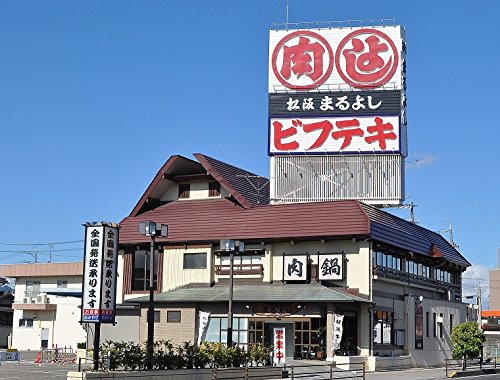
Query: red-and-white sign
point(334, 135)
point(279, 346)
point(335, 59)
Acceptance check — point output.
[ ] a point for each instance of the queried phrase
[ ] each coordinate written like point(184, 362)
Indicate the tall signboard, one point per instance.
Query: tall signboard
point(100, 272)
point(337, 114)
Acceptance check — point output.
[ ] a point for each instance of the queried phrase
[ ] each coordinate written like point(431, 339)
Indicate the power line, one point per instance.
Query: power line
point(56, 243)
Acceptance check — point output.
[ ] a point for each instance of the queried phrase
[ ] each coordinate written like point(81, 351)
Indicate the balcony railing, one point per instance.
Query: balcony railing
point(239, 269)
point(394, 274)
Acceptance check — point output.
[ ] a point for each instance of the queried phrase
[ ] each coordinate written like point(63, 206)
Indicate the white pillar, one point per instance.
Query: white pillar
point(329, 331)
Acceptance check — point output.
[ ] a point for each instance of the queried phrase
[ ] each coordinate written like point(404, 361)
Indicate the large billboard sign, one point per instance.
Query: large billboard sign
point(336, 59)
point(100, 272)
point(334, 135)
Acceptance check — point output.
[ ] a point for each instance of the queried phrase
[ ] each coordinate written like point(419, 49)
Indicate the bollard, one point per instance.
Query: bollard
point(364, 370)
point(331, 371)
point(79, 364)
point(246, 372)
point(292, 371)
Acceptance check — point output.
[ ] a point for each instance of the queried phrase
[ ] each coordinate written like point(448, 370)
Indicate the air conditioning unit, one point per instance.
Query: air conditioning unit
point(27, 300)
point(42, 298)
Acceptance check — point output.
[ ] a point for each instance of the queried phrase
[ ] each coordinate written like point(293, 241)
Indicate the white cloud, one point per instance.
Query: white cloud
point(475, 277)
point(418, 160)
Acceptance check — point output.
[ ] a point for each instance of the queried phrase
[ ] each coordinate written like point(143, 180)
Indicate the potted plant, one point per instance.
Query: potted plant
point(321, 349)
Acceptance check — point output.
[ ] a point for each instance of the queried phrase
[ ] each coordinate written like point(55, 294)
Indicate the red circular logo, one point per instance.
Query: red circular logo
point(302, 60)
point(366, 58)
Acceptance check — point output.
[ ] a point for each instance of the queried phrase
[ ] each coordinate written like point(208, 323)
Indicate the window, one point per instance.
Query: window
point(213, 189)
point(26, 322)
point(444, 276)
point(32, 288)
point(157, 316)
point(62, 283)
point(434, 324)
point(184, 189)
point(418, 269)
point(383, 327)
point(217, 330)
point(174, 316)
point(195, 260)
point(242, 262)
point(385, 260)
point(427, 323)
point(140, 271)
point(441, 323)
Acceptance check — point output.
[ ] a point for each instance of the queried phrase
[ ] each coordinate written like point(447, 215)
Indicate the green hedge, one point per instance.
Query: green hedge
point(166, 355)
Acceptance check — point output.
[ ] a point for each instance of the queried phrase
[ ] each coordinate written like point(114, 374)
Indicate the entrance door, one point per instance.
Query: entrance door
point(44, 338)
point(349, 342)
point(269, 339)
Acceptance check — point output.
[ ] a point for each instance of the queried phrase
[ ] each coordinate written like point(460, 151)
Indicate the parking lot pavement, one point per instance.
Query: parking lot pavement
point(28, 370)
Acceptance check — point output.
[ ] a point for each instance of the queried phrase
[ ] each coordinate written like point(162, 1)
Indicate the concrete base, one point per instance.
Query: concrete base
point(377, 363)
point(256, 373)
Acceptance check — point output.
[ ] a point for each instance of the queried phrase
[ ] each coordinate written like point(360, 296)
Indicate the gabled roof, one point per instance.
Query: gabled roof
point(207, 221)
point(247, 188)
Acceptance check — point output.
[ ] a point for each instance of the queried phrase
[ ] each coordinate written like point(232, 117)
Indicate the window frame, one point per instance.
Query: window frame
point(184, 191)
point(145, 269)
point(205, 264)
point(170, 313)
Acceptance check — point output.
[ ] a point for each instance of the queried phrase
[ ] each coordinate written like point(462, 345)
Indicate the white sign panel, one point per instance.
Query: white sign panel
point(334, 59)
point(338, 330)
point(279, 346)
point(335, 135)
point(204, 318)
point(100, 271)
point(331, 267)
point(295, 268)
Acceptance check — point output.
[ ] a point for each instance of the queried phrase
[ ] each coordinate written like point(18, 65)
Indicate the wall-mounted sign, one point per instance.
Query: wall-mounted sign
point(334, 135)
point(279, 346)
point(295, 268)
point(331, 267)
point(332, 59)
point(100, 272)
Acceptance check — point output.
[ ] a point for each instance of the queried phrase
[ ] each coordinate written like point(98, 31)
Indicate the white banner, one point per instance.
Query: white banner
point(331, 267)
point(204, 317)
point(338, 329)
point(295, 268)
point(279, 352)
point(337, 59)
point(336, 135)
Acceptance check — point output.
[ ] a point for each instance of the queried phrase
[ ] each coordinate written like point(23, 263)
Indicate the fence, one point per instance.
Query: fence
point(455, 365)
point(325, 371)
point(56, 355)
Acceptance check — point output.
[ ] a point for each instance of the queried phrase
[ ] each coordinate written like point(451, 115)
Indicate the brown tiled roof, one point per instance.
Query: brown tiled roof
point(208, 220)
point(248, 188)
point(41, 270)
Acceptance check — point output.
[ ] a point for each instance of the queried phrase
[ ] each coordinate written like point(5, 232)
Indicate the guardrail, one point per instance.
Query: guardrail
point(292, 372)
point(452, 365)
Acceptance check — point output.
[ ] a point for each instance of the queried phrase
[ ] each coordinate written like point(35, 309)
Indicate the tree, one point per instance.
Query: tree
point(467, 339)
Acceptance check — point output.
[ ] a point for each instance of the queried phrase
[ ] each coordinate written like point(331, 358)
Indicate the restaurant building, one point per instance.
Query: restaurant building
point(396, 285)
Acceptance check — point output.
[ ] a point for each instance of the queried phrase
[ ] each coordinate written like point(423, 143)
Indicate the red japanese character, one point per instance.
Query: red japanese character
point(300, 57)
point(378, 131)
point(279, 344)
point(280, 134)
point(365, 66)
point(347, 134)
point(325, 126)
point(280, 355)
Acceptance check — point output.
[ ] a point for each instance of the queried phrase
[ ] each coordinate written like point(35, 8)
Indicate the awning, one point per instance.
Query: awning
point(255, 293)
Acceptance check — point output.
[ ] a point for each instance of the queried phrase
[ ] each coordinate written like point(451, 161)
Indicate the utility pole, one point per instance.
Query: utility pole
point(479, 306)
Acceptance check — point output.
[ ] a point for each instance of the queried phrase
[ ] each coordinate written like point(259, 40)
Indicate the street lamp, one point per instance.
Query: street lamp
point(230, 246)
point(151, 229)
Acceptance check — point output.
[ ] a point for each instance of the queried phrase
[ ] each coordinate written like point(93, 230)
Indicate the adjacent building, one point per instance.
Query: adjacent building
point(46, 305)
point(396, 285)
point(6, 299)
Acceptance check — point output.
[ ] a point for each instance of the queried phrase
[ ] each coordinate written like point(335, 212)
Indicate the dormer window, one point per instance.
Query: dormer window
point(213, 189)
point(184, 189)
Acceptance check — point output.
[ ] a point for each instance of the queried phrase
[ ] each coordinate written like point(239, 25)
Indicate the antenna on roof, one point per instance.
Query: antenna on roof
point(257, 187)
point(450, 231)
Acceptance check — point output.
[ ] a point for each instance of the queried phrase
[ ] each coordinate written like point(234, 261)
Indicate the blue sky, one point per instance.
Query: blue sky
point(96, 95)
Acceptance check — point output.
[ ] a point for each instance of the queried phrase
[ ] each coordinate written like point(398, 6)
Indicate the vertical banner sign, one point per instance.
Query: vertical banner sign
point(279, 346)
point(338, 329)
point(295, 268)
point(419, 324)
point(331, 267)
point(100, 272)
point(204, 317)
